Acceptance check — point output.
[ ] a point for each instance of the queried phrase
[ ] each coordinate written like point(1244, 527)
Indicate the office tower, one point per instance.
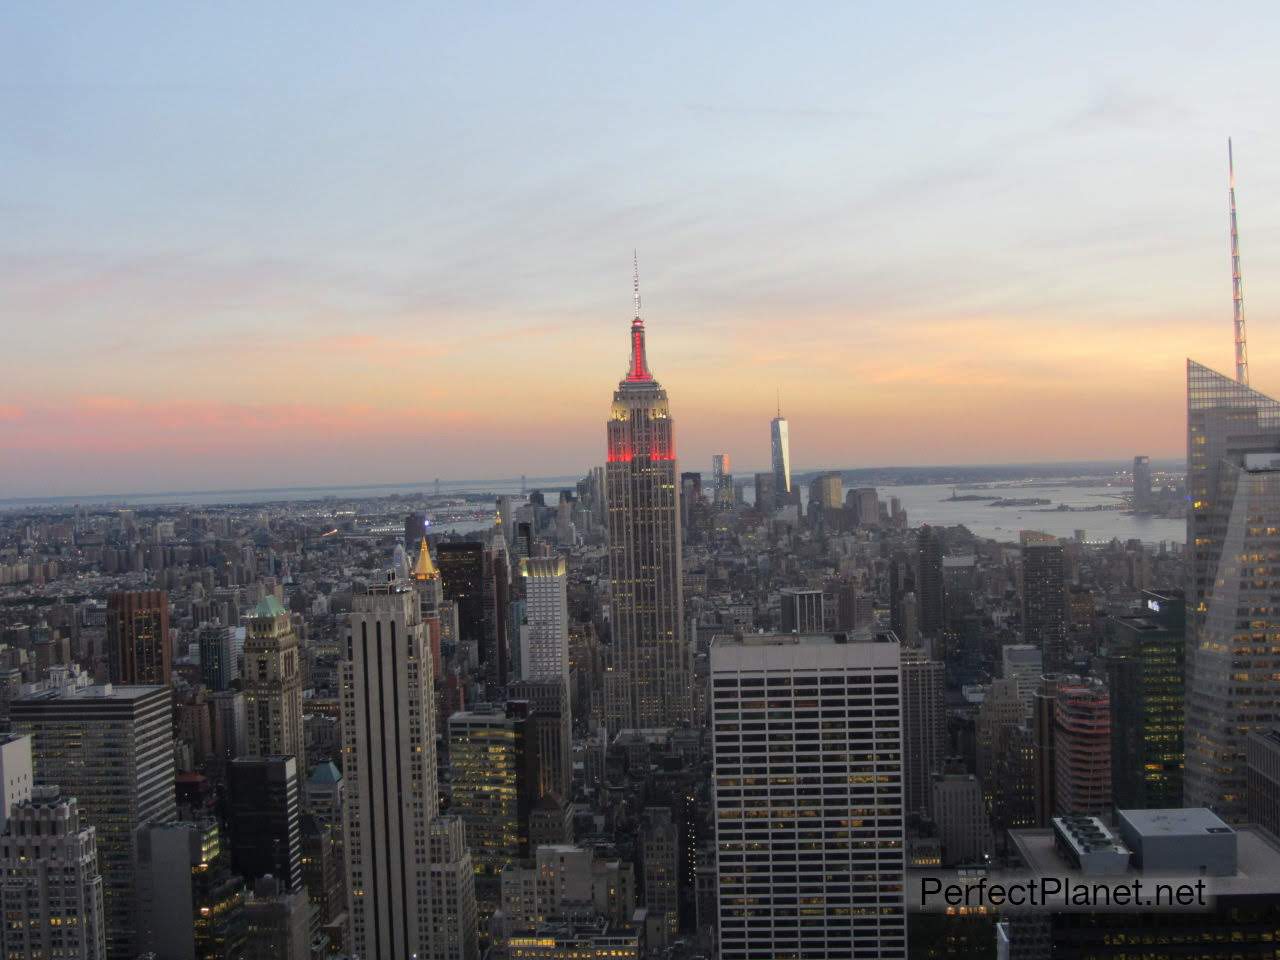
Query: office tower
point(902, 582)
point(544, 649)
point(494, 765)
point(855, 608)
point(551, 727)
point(1001, 707)
point(495, 651)
point(866, 506)
point(110, 747)
point(721, 479)
point(829, 488)
point(229, 729)
point(415, 529)
point(1044, 602)
point(264, 819)
point(276, 923)
point(1262, 778)
point(1023, 663)
point(219, 665)
point(324, 794)
point(924, 726)
point(1082, 748)
point(273, 684)
point(506, 518)
point(550, 822)
point(766, 492)
point(462, 571)
point(454, 917)
point(1141, 484)
point(1043, 726)
point(190, 904)
point(960, 812)
point(51, 897)
point(844, 800)
point(660, 858)
point(138, 649)
point(693, 477)
point(780, 441)
point(388, 731)
point(1233, 670)
point(646, 607)
point(929, 587)
point(801, 611)
point(1145, 679)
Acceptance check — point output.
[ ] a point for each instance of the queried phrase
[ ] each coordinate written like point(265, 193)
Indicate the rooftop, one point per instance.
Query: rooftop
point(1174, 822)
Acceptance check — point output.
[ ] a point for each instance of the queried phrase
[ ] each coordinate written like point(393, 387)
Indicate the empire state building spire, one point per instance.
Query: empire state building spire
point(639, 370)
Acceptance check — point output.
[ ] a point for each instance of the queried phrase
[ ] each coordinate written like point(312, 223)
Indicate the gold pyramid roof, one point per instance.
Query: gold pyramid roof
point(425, 569)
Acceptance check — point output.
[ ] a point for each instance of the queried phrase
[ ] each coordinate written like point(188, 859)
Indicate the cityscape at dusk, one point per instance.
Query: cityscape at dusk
point(733, 482)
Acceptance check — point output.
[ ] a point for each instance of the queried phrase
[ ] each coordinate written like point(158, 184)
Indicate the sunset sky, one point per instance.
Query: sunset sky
point(275, 244)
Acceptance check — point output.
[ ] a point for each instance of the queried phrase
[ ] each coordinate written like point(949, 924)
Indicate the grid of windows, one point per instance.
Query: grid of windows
point(808, 788)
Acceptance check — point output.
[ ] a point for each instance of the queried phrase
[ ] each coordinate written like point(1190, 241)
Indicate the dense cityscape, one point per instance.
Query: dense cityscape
point(898, 580)
point(659, 713)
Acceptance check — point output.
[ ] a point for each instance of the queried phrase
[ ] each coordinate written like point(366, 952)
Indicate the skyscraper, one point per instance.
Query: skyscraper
point(646, 606)
point(462, 572)
point(138, 637)
point(544, 650)
point(388, 731)
point(801, 611)
point(1145, 673)
point(721, 478)
point(781, 443)
point(218, 664)
point(929, 583)
point(1233, 626)
point(110, 747)
point(842, 805)
point(1141, 484)
point(1044, 602)
point(273, 684)
point(1082, 748)
point(264, 819)
point(924, 726)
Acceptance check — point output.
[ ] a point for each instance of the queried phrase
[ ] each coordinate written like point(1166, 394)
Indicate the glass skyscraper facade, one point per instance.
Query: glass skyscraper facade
point(1233, 590)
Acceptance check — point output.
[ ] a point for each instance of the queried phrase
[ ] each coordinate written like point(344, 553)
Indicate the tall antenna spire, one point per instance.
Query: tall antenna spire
point(1237, 285)
point(779, 403)
point(635, 279)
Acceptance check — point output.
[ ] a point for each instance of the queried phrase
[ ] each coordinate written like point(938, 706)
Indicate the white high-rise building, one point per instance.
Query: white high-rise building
point(16, 774)
point(49, 861)
point(544, 648)
point(808, 795)
point(389, 760)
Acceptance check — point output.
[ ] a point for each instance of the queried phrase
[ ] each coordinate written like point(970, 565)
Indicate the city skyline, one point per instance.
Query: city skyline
point(221, 294)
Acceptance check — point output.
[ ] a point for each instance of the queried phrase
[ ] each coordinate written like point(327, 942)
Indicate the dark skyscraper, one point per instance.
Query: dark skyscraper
point(1044, 603)
point(902, 584)
point(462, 567)
point(929, 585)
point(1145, 677)
point(138, 637)
point(264, 818)
point(646, 608)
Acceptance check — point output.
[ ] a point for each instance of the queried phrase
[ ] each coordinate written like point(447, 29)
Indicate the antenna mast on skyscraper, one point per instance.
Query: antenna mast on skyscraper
point(635, 279)
point(1237, 286)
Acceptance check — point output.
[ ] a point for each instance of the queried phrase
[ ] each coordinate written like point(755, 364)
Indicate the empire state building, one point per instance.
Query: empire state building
point(648, 684)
